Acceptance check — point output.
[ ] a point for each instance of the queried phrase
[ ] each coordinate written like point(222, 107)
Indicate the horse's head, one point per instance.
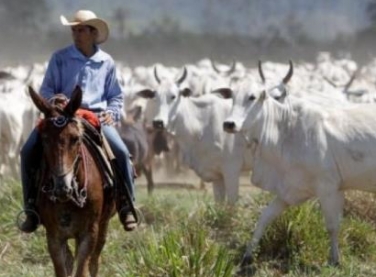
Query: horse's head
point(61, 135)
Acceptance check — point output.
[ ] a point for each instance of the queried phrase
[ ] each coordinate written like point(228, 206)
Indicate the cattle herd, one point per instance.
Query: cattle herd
point(305, 130)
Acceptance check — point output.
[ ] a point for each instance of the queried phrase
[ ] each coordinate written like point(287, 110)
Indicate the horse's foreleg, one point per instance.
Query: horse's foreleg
point(69, 260)
point(86, 245)
point(56, 248)
point(95, 257)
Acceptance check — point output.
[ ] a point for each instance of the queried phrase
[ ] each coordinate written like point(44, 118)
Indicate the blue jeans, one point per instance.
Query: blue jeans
point(121, 153)
point(117, 145)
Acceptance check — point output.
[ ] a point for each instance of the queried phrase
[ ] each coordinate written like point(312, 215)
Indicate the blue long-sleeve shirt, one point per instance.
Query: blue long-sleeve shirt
point(95, 75)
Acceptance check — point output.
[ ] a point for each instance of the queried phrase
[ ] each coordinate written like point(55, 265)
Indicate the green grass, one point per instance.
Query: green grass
point(185, 234)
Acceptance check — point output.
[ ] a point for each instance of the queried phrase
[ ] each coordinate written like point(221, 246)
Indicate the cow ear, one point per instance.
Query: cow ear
point(186, 92)
point(146, 93)
point(225, 93)
point(41, 103)
point(74, 103)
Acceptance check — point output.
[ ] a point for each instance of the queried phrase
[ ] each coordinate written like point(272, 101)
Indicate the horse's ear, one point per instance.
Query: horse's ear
point(74, 103)
point(41, 103)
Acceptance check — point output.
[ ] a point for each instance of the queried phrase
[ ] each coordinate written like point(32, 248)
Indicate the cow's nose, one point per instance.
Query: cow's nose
point(228, 125)
point(158, 124)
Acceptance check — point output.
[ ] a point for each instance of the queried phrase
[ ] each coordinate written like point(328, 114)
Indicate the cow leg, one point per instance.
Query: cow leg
point(332, 207)
point(148, 172)
point(219, 191)
point(231, 175)
point(274, 209)
point(56, 248)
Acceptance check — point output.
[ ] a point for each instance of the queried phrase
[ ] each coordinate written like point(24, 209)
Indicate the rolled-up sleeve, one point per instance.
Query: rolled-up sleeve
point(115, 98)
point(50, 81)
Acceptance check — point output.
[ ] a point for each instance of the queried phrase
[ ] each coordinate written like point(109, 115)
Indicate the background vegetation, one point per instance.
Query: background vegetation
point(185, 234)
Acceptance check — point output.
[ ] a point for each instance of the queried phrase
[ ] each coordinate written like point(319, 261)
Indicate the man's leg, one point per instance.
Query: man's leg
point(29, 193)
point(121, 153)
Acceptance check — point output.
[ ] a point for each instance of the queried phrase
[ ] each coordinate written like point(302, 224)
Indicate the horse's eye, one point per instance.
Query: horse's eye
point(251, 98)
point(173, 97)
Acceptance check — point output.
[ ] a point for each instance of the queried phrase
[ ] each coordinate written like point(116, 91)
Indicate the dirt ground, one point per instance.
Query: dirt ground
point(187, 179)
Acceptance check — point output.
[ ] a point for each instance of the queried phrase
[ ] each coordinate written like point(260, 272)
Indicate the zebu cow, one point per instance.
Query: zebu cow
point(195, 123)
point(17, 118)
point(305, 150)
point(160, 140)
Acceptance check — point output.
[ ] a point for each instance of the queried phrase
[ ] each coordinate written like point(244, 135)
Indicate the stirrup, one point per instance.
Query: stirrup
point(27, 211)
point(138, 214)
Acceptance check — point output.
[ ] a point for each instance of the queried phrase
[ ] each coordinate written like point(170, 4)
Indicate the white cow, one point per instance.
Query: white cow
point(196, 124)
point(305, 150)
point(17, 118)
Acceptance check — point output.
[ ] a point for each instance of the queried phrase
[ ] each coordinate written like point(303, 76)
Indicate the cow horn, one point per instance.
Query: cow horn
point(349, 83)
point(330, 81)
point(183, 76)
point(232, 68)
point(345, 86)
point(156, 75)
point(214, 66)
point(228, 72)
point(289, 74)
point(261, 72)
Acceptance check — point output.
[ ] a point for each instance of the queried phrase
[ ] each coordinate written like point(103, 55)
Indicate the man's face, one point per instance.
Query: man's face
point(83, 36)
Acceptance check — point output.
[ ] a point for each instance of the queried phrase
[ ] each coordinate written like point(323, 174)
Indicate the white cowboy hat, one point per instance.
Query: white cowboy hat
point(86, 17)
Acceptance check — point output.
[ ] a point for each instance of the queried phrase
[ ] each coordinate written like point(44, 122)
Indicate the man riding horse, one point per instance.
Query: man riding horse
point(85, 65)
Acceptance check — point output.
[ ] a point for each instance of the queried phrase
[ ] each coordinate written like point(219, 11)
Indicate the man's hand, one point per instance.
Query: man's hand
point(106, 118)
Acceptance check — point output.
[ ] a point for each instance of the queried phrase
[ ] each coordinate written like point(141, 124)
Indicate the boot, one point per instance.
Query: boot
point(127, 219)
point(31, 222)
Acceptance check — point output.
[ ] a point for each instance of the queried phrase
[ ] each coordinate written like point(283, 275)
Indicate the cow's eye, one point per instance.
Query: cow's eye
point(251, 98)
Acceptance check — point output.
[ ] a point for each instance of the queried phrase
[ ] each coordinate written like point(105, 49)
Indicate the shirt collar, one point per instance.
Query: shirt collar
point(97, 57)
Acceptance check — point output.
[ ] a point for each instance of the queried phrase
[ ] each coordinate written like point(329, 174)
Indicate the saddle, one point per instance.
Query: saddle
point(98, 146)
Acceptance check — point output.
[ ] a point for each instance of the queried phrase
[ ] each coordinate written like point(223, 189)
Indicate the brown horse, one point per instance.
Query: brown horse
point(73, 202)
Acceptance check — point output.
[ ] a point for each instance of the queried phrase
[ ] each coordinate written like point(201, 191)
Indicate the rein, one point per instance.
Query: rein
point(80, 196)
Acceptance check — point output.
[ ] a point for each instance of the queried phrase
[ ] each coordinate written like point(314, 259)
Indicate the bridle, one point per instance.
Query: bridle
point(75, 194)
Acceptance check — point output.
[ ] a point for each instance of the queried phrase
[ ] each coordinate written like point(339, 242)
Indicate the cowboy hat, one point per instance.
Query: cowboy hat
point(86, 17)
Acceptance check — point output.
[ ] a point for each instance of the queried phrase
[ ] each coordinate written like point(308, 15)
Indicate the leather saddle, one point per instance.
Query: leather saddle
point(101, 151)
